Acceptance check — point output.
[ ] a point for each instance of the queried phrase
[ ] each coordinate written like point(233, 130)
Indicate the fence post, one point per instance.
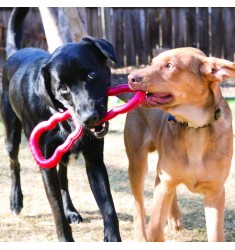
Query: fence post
point(119, 34)
point(178, 27)
point(166, 27)
point(203, 30)
point(228, 33)
point(106, 23)
point(216, 29)
point(191, 27)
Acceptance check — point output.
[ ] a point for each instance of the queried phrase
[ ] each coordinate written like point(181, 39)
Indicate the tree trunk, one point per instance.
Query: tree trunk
point(63, 25)
point(72, 21)
point(49, 21)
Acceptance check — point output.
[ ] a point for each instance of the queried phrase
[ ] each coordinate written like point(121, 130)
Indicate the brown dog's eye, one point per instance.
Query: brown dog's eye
point(169, 66)
point(91, 75)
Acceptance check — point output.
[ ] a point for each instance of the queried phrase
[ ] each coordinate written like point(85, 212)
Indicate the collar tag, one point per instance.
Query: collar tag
point(217, 114)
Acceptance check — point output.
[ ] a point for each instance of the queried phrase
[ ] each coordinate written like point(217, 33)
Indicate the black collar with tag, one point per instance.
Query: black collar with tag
point(217, 115)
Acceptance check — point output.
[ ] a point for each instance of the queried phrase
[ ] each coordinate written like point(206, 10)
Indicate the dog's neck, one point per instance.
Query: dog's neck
point(194, 117)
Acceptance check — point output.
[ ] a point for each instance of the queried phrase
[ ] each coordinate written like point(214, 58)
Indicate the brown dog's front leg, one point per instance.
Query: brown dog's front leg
point(214, 212)
point(52, 187)
point(162, 201)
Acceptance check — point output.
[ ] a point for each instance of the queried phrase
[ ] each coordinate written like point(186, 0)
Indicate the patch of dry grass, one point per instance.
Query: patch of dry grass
point(35, 222)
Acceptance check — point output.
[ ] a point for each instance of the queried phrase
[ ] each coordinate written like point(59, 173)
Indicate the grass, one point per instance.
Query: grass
point(35, 223)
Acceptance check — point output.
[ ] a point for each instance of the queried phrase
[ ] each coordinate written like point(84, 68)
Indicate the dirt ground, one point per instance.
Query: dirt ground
point(35, 223)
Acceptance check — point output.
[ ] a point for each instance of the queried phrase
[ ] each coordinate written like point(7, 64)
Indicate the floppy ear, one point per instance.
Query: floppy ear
point(104, 46)
point(43, 89)
point(217, 70)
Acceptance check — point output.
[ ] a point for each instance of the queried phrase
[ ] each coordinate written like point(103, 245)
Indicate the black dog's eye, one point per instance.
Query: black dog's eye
point(63, 88)
point(91, 75)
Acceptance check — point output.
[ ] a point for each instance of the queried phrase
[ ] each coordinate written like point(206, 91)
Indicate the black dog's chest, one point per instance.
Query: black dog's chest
point(83, 143)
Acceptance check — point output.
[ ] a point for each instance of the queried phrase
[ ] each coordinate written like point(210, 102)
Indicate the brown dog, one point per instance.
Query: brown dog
point(195, 142)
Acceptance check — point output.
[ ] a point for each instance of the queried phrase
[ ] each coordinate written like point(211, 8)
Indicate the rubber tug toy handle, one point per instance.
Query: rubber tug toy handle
point(78, 132)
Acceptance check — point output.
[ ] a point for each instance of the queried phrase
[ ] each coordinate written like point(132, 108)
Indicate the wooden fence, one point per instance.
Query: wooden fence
point(139, 33)
point(33, 32)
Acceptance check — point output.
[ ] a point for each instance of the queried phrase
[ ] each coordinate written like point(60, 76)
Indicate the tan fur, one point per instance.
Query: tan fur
point(196, 156)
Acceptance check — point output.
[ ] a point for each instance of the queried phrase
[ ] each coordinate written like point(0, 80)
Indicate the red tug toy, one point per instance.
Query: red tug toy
point(77, 133)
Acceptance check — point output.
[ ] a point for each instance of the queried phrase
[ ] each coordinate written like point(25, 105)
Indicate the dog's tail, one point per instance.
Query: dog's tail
point(14, 30)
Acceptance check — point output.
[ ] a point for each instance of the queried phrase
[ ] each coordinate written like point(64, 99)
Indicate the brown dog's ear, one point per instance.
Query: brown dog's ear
point(217, 70)
point(43, 90)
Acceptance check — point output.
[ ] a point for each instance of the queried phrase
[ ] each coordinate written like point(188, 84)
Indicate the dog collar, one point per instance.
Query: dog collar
point(217, 115)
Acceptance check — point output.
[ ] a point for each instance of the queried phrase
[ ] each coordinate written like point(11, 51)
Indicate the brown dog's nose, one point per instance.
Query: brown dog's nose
point(135, 78)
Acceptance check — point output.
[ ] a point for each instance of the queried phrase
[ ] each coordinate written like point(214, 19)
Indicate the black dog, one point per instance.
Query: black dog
point(36, 85)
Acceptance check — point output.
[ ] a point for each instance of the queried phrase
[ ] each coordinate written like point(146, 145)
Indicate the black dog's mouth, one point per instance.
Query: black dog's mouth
point(100, 130)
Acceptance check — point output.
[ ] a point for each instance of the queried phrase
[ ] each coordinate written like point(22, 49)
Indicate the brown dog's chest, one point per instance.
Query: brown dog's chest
point(192, 158)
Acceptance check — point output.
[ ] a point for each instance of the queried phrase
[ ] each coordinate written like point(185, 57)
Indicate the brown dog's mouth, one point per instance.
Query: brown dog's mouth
point(100, 130)
point(156, 99)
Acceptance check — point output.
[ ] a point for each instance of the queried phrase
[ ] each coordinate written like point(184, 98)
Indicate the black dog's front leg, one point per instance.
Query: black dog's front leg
point(52, 187)
point(99, 183)
point(71, 213)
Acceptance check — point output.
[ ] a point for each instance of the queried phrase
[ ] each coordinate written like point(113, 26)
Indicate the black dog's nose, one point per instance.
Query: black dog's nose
point(89, 120)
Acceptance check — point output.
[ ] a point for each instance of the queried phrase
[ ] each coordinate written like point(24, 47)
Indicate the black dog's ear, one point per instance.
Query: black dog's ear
point(43, 89)
point(104, 46)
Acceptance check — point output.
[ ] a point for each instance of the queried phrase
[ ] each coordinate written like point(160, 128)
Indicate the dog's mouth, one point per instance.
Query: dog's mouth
point(157, 99)
point(100, 130)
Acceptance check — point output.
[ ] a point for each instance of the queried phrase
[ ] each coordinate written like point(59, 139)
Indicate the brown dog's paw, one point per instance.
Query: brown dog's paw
point(175, 223)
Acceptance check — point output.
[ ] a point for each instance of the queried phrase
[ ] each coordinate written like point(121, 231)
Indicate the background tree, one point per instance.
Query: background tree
point(63, 25)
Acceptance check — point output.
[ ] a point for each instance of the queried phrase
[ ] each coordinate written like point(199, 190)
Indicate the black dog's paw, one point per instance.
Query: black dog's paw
point(73, 217)
point(16, 210)
point(112, 238)
point(16, 201)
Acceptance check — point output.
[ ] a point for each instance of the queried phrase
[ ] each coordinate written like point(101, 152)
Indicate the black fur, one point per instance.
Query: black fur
point(37, 84)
